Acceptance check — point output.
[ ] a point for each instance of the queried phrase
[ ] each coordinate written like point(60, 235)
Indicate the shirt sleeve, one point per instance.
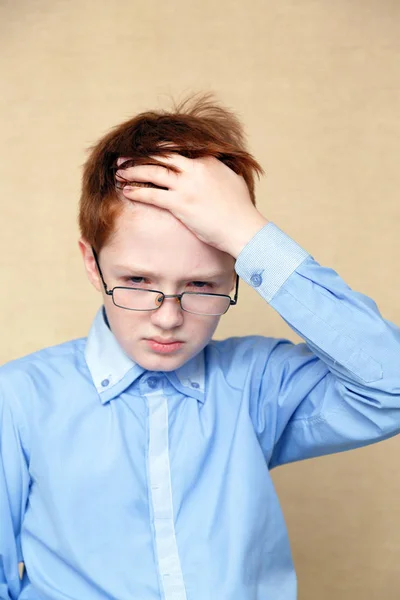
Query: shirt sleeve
point(338, 390)
point(14, 490)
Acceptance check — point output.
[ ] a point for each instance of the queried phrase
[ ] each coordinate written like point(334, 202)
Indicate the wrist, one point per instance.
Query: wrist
point(246, 233)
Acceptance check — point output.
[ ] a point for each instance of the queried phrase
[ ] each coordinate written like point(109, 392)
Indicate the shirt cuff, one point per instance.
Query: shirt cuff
point(268, 260)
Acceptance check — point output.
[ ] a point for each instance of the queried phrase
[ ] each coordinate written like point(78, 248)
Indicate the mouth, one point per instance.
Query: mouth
point(162, 341)
point(164, 347)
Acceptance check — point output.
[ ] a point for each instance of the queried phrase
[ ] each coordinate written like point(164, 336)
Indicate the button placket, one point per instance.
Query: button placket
point(161, 497)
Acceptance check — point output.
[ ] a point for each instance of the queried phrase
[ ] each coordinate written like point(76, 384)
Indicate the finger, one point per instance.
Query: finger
point(120, 179)
point(167, 157)
point(148, 173)
point(120, 185)
point(156, 197)
point(122, 159)
point(174, 159)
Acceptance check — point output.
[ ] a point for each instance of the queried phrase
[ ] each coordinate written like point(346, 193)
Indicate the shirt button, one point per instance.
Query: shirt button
point(195, 384)
point(256, 280)
point(152, 382)
point(105, 382)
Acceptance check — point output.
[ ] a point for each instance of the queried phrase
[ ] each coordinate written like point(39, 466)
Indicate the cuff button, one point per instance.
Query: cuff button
point(256, 280)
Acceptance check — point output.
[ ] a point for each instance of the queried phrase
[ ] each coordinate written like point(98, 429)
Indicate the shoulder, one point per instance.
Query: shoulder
point(242, 347)
point(41, 365)
point(31, 385)
point(249, 348)
point(255, 357)
point(241, 357)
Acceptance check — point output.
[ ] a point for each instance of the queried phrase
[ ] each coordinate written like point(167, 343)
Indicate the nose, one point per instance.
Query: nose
point(169, 315)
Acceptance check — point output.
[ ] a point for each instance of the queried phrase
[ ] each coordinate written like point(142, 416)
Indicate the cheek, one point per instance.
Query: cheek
point(125, 323)
point(203, 328)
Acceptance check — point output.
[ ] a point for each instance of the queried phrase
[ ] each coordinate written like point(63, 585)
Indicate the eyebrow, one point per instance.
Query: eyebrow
point(137, 270)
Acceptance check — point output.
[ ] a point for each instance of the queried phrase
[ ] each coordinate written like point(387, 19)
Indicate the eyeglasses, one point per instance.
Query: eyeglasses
point(141, 299)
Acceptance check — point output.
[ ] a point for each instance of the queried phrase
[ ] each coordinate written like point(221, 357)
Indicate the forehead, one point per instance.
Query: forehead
point(153, 237)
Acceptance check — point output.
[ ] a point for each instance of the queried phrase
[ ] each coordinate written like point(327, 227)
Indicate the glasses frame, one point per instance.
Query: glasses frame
point(233, 301)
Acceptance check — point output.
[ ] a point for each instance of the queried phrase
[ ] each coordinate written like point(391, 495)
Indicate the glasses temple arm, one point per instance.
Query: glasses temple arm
point(234, 301)
point(99, 270)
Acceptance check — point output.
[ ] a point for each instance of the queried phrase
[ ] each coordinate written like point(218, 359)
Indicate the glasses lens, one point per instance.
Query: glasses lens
point(200, 304)
point(136, 299)
point(203, 304)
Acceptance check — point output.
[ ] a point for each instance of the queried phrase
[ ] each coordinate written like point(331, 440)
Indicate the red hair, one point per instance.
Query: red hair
point(196, 127)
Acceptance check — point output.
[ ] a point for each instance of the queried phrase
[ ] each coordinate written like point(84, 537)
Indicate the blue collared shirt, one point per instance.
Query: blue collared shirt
point(126, 484)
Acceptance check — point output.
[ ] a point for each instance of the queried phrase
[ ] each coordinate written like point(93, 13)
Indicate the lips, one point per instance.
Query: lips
point(161, 341)
point(160, 348)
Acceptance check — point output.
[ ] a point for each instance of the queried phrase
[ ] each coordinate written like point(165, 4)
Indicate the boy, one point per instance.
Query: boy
point(135, 463)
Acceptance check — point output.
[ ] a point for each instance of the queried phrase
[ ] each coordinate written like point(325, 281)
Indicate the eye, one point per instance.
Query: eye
point(202, 284)
point(196, 284)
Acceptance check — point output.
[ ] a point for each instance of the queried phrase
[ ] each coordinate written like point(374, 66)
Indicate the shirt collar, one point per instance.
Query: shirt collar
point(113, 371)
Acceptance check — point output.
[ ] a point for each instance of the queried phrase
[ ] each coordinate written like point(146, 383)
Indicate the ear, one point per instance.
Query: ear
point(90, 264)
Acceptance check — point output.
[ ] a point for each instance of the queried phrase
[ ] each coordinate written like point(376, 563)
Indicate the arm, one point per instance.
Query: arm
point(341, 388)
point(14, 489)
point(338, 390)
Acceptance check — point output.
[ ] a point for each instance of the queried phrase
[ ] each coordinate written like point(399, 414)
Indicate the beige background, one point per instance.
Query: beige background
point(317, 84)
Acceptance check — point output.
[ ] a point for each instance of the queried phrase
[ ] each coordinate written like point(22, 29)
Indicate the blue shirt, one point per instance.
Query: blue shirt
point(120, 483)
